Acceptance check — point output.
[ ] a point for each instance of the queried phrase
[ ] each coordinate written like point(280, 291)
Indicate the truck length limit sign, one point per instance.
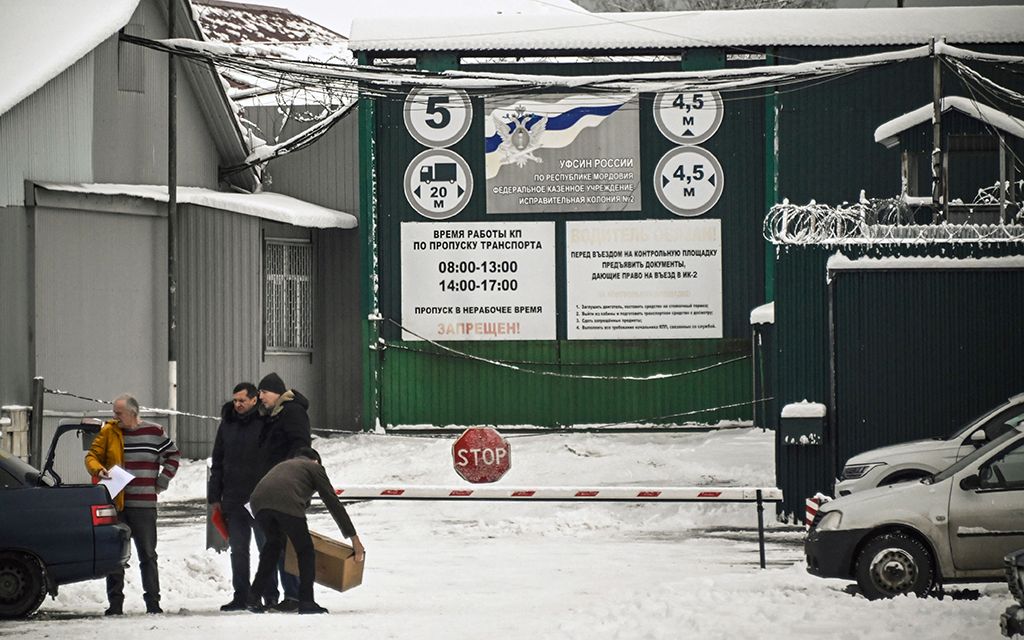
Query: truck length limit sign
point(478, 280)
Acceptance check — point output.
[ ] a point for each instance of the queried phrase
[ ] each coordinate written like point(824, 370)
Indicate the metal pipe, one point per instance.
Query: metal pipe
point(172, 228)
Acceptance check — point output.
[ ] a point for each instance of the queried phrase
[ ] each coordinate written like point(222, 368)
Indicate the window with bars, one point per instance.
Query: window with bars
point(288, 296)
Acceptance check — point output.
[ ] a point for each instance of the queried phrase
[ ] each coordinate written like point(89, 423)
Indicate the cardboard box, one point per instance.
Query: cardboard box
point(336, 566)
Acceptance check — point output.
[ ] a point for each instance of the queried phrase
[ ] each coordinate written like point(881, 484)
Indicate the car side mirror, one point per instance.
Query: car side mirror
point(970, 483)
point(979, 438)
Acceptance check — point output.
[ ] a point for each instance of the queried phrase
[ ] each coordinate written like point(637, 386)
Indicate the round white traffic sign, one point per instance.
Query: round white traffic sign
point(688, 117)
point(438, 183)
point(438, 117)
point(688, 180)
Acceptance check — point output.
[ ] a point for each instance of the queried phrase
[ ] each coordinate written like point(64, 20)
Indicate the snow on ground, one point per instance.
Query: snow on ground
point(519, 570)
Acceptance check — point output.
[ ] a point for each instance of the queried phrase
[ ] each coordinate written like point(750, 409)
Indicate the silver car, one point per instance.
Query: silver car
point(922, 458)
point(951, 527)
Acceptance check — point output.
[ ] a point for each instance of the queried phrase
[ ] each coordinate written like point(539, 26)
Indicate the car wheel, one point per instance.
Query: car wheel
point(893, 564)
point(22, 584)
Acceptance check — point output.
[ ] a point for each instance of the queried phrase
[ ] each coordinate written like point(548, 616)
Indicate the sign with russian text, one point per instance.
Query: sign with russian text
point(644, 279)
point(562, 153)
point(478, 281)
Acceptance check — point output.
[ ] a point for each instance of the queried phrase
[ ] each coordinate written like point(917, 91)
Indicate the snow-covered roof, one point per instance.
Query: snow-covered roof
point(889, 132)
point(839, 262)
point(39, 40)
point(804, 409)
point(765, 314)
point(268, 206)
point(237, 23)
point(676, 30)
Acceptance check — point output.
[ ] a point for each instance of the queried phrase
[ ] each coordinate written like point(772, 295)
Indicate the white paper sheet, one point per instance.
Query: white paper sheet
point(118, 480)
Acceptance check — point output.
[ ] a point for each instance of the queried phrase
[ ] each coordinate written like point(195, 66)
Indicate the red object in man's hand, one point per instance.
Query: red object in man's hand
point(218, 521)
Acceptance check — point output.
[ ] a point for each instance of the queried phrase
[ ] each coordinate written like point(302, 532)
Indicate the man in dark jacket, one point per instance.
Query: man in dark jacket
point(279, 502)
point(286, 423)
point(237, 467)
point(285, 431)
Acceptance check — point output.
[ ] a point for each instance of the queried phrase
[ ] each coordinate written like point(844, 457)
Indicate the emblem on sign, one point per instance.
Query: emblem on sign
point(520, 135)
point(688, 118)
point(688, 180)
point(438, 183)
point(438, 117)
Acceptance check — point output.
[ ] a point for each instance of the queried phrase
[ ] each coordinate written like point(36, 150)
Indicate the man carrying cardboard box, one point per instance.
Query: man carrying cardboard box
point(279, 504)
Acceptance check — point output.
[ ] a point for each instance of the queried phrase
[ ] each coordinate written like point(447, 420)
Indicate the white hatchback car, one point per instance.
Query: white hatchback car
point(922, 458)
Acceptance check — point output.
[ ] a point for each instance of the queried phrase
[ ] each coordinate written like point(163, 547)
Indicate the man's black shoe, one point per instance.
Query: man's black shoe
point(255, 605)
point(234, 605)
point(113, 610)
point(285, 606)
point(153, 607)
point(311, 607)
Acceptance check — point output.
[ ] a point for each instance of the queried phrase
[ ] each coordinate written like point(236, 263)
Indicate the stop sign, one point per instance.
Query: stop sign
point(481, 455)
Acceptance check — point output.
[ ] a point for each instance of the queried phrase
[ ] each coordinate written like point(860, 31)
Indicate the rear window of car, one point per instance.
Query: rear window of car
point(14, 472)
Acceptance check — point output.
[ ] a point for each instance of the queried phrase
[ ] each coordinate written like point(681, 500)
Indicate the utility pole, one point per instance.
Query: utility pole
point(937, 186)
point(172, 229)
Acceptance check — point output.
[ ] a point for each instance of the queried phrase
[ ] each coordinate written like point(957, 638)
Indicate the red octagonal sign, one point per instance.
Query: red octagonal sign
point(481, 455)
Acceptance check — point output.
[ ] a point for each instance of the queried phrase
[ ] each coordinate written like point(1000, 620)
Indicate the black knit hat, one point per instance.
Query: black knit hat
point(272, 383)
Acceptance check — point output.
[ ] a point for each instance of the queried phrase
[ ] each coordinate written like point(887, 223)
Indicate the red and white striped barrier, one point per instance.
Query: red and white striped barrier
point(812, 510)
point(566, 494)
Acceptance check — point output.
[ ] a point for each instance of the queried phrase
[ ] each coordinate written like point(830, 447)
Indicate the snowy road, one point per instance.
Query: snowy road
point(515, 570)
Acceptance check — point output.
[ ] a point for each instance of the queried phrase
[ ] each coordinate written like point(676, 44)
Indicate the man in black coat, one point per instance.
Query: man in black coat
point(285, 431)
point(236, 469)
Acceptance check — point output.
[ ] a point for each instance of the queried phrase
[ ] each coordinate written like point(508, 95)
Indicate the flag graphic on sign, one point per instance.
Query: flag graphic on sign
point(521, 125)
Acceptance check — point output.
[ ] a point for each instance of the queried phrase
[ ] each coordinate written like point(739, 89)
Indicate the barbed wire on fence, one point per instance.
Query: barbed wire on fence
point(877, 221)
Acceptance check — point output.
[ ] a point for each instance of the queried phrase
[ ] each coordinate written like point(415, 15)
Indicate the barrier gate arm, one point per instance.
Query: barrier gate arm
point(757, 495)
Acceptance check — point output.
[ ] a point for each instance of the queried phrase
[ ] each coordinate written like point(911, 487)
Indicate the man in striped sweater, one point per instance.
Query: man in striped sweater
point(144, 451)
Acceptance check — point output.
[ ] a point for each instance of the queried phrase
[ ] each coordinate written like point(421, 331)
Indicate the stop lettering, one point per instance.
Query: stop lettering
point(481, 455)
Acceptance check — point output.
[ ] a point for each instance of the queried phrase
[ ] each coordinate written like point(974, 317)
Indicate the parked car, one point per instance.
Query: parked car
point(954, 526)
point(1011, 622)
point(922, 458)
point(53, 533)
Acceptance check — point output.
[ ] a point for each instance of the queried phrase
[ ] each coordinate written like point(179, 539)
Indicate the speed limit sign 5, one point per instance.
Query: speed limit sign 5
point(438, 117)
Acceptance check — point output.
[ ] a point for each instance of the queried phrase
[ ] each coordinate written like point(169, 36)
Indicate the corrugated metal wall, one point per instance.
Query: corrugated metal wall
point(16, 265)
point(325, 173)
point(931, 350)
point(425, 385)
point(917, 352)
point(220, 317)
point(801, 365)
point(338, 338)
point(421, 387)
point(827, 150)
point(101, 317)
point(133, 124)
point(48, 136)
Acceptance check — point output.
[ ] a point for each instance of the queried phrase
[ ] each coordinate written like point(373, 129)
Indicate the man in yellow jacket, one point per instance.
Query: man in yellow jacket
point(144, 451)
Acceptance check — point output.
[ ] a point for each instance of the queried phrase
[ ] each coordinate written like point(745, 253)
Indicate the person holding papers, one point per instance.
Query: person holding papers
point(144, 451)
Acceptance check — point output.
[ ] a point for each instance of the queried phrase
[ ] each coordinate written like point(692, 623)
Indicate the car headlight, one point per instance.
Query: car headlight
point(854, 471)
point(830, 521)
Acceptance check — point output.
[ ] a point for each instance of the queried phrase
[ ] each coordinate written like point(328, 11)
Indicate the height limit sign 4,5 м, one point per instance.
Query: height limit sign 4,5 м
point(481, 455)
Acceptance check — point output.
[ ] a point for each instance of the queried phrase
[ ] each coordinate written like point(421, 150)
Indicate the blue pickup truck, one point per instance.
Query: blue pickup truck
point(53, 533)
